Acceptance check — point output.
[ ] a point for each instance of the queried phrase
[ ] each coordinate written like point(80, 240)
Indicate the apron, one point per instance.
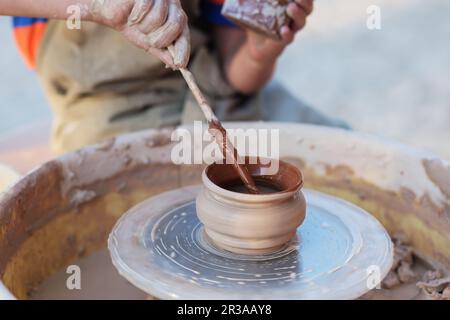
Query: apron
point(99, 85)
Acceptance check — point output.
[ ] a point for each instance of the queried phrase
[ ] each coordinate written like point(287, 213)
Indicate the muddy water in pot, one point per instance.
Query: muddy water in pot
point(264, 187)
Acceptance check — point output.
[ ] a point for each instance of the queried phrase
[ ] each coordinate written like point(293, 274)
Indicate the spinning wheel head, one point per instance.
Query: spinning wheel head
point(160, 246)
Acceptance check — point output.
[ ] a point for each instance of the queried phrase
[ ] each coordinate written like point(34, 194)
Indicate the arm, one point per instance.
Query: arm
point(249, 59)
point(55, 9)
point(152, 25)
point(245, 71)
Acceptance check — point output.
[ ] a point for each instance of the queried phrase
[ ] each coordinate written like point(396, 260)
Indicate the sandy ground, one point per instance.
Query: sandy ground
point(394, 82)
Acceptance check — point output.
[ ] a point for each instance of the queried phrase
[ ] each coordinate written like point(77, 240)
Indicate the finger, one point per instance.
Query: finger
point(156, 17)
point(171, 30)
point(298, 16)
point(140, 40)
point(164, 56)
point(306, 5)
point(287, 35)
point(182, 49)
point(140, 9)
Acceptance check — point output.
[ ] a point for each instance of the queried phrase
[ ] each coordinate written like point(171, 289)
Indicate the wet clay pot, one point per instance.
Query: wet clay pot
point(245, 223)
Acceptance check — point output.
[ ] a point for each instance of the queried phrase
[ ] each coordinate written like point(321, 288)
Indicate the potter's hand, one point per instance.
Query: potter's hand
point(152, 25)
point(266, 50)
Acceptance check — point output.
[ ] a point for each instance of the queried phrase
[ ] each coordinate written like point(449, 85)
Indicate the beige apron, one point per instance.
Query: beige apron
point(100, 85)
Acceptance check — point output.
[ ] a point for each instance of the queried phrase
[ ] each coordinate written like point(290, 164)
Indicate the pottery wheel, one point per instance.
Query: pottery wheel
point(161, 248)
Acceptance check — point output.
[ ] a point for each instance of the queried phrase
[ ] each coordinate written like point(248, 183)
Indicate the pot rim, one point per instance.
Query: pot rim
point(253, 198)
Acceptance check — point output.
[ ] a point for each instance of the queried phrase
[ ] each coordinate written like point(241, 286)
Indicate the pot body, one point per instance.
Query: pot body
point(247, 223)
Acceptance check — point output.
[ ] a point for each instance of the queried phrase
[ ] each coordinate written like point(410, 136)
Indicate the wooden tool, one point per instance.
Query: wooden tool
point(218, 131)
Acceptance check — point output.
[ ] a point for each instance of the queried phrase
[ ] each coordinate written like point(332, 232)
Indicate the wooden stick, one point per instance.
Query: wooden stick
point(198, 95)
point(219, 133)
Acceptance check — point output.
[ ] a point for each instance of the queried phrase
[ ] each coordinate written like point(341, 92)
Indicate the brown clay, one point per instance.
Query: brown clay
point(287, 179)
point(263, 16)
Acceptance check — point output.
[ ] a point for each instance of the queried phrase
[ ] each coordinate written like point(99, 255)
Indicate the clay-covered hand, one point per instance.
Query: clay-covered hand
point(152, 25)
point(265, 49)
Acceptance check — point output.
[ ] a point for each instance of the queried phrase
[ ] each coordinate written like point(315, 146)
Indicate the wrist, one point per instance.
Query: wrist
point(259, 59)
point(111, 14)
point(257, 72)
point(262, 51)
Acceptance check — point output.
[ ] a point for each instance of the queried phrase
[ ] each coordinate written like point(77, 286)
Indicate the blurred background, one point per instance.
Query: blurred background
point(393, 82)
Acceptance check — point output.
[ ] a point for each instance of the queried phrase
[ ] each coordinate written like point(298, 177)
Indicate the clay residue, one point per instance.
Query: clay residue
point(407, 194)
point(112, 156)
point(106, 145)
point(81, 196)
point(439, 173)
point(394, 209)
point(402, 268)
point(26, 206)
point(435, 286)
point(440, 211)
point(158, 140)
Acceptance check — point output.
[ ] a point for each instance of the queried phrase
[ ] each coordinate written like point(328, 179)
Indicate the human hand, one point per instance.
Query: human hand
point(266, 50)
point(152, 25)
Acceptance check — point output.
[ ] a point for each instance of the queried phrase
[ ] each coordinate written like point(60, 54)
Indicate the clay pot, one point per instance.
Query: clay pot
point(247, 223)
